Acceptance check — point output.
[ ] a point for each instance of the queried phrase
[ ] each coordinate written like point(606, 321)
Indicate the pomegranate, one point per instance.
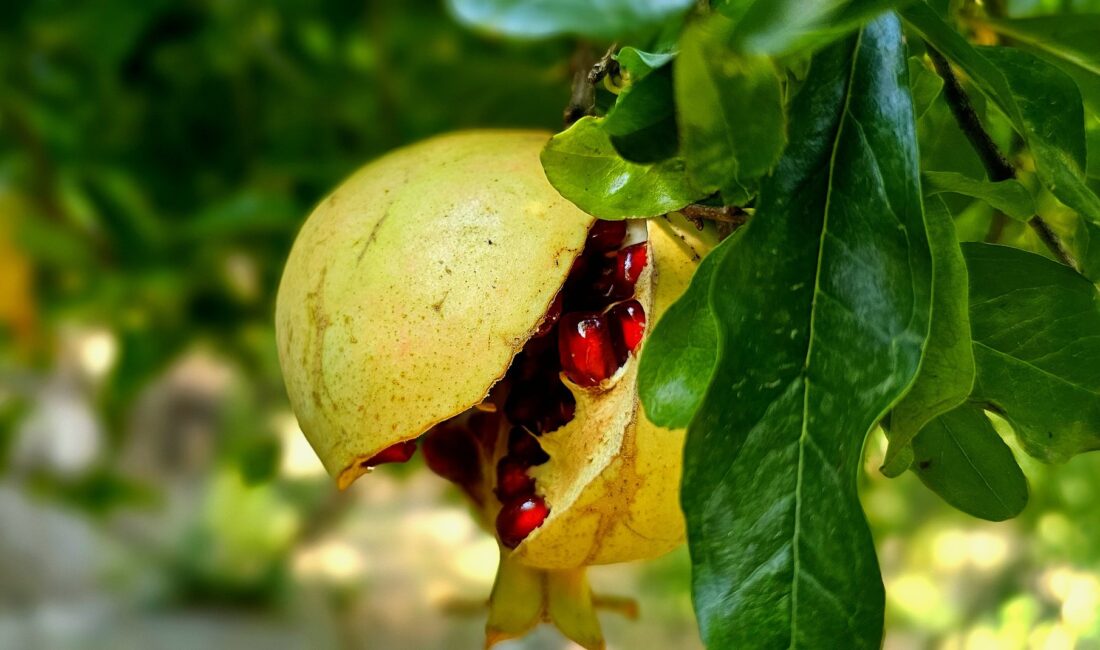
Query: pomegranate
point(448, 291)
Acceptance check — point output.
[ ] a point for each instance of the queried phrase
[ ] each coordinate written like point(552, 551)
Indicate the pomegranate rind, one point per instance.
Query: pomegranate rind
point(410, 288)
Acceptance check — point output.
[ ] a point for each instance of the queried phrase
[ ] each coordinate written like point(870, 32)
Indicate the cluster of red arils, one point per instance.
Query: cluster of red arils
point(596, 324)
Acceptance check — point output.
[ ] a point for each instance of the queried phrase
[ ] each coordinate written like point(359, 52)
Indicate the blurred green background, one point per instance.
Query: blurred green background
point(156, 160)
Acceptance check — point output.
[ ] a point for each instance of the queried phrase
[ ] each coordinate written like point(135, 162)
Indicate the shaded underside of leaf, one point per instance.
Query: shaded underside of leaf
point(947, 370)
point(1036, 329)
point(823, 309)
point(960, 457)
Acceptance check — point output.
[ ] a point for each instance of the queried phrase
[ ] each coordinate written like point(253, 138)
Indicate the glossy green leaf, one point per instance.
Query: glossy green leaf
point(960, 457)
point(608, 19)
point(1036, 328)
point(732, 122)
point(680, 352)
point(1041, 101)
point(778, 27)
point(1010, 196)
point(583, 165)
point(823, 309)
point(947, 370)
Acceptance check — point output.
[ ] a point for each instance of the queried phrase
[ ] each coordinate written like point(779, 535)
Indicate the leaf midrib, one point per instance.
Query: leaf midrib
point(803, 436)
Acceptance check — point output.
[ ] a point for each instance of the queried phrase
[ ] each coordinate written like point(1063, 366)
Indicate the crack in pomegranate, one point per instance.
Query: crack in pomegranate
point(590, 330)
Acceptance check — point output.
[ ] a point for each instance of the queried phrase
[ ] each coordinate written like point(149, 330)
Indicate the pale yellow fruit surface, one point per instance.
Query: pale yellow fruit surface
point(411, 287)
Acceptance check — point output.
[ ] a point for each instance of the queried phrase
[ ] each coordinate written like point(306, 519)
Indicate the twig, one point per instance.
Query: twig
point(582, 99)
point(605, 66)
point(996, 165)
point(726, 214)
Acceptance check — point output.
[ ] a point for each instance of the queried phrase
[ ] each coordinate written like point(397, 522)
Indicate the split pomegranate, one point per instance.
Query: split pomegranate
point(446, 291)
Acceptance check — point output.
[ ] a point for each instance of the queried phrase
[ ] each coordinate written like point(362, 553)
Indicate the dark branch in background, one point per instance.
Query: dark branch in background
point(996, 165)
point(582, 99)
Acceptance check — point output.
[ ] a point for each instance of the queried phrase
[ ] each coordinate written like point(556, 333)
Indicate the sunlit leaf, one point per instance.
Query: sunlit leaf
point(584, 167)
point(1036, 328)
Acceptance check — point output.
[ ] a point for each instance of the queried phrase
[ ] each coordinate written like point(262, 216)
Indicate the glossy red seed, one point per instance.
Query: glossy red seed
point(525, 447)
point(553, 313)
point(398, 453)
point(606, 235)
point(629, 263)
point(585, 348)
point(518, 518)
point(629, 318)
point(512, 479)
point(451, 452)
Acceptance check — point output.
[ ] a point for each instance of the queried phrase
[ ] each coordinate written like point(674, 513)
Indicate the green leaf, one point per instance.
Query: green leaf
point(1041, 101)
point(584, 167)
point(732, 122)
point(823, 309)
point(1036, 328)
point(947, 370)
point(1086, 247)
point(604, 19)
point(779, 27)
point(1010, 196)
point(680, 352)
point(1069, 37)
point(642, 122)
point(1066, 40)
point(960, 457)
point(924, 84)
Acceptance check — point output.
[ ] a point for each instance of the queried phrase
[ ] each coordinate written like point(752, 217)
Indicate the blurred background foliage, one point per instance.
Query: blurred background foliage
point(156, 159)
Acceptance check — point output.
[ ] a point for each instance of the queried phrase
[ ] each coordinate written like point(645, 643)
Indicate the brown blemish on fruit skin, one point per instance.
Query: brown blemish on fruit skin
point(373, 235)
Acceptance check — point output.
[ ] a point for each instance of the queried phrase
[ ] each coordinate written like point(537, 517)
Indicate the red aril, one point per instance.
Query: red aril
point(629, 263)
point(606, 236)
point(629, 321)
point(398, 453)
point(524, 446)
point(512, 479)
point(451, 452)
point(518, 518)
point(585, 348)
